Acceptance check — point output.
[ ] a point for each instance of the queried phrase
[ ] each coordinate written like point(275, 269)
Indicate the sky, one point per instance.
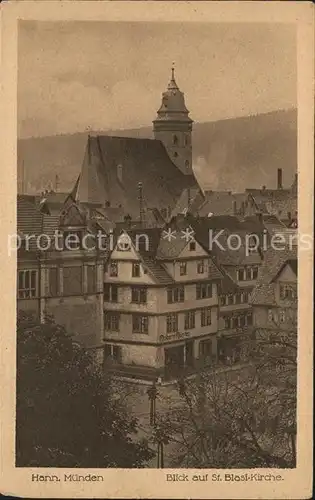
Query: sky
point(76, 76)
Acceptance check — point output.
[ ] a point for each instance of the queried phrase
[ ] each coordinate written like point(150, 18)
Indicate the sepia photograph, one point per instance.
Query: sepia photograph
point(157, 249)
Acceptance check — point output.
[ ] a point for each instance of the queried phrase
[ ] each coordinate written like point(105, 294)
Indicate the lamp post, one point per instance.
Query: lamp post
point(161, 438)
point(152, 395)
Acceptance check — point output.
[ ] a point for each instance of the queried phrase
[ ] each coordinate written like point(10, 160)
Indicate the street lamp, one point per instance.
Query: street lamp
point(161, 438)
point(152, 394)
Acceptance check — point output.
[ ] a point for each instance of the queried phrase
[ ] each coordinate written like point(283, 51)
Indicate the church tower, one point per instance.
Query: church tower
point(173, 127)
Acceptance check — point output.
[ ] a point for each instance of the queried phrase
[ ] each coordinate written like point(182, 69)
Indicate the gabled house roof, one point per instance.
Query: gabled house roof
point(274, 261)
point(292, 263)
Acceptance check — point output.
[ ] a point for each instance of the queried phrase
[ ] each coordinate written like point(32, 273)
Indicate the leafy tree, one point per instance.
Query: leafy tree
point(233, 419)
point(66, 411)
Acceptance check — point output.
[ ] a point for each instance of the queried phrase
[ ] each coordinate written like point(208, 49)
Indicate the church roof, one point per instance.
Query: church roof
point(114, 166)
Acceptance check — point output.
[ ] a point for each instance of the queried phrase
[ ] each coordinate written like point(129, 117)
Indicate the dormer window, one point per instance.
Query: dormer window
point(136, 270)
point(192, 246)
point(124, 243)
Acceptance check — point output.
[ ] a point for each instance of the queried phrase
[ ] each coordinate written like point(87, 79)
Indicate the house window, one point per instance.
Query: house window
point(113, 268)
point(255, 273)
point(186, 163)
point(182, 268)
point(192, 246)
point(175, 140)
point(287, 291)
point(206, 316)
point(189, 320)
point(112, 320)
point(139, 295)
point(222, 300)
point(27, 284)
point(110, 293)
point(140, 323)
point(53, 281)
point(248, 319)
point(124, 243)
point(240, 273)
point(136, 270)
point(175, 294)
point(230, 299)
point(91, 279)
point(72, 240)
point(248, 274)
point(246, 295)
point(203, 290)
point(241, 321)
point(186, 140)
point(282, 316)
point(112, 352)
point(200, 267)
point(227, 322)
point(270, 315)
point(171, 323)
point(72, 280)
point(237, 298)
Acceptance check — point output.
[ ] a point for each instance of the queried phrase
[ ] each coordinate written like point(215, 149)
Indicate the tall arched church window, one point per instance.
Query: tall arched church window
point(175, 140)
point(186, 140)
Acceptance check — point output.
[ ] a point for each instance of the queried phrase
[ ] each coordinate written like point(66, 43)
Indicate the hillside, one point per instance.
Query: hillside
point(229, 154)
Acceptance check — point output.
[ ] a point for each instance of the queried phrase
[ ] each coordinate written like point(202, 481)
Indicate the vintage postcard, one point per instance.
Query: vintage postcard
point(157, 249)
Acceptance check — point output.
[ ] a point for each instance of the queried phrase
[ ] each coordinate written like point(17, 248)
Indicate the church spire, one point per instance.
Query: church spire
point(172, 84)
point(173, 126)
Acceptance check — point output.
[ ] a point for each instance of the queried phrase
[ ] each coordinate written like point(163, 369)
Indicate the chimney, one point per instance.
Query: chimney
point(234, 208)
point(279, 179)
point(120, 173)
point(243, 208)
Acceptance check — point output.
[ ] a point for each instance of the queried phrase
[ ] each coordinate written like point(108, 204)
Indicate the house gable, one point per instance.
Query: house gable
point(190, 252)
point(286, 274)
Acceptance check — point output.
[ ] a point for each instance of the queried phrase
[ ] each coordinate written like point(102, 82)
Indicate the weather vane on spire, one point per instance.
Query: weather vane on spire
point(173, 70)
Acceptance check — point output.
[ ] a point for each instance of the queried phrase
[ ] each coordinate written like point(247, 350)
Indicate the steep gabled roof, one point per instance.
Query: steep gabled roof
point(264, 291)
point(292, 263)
point(114, 166)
